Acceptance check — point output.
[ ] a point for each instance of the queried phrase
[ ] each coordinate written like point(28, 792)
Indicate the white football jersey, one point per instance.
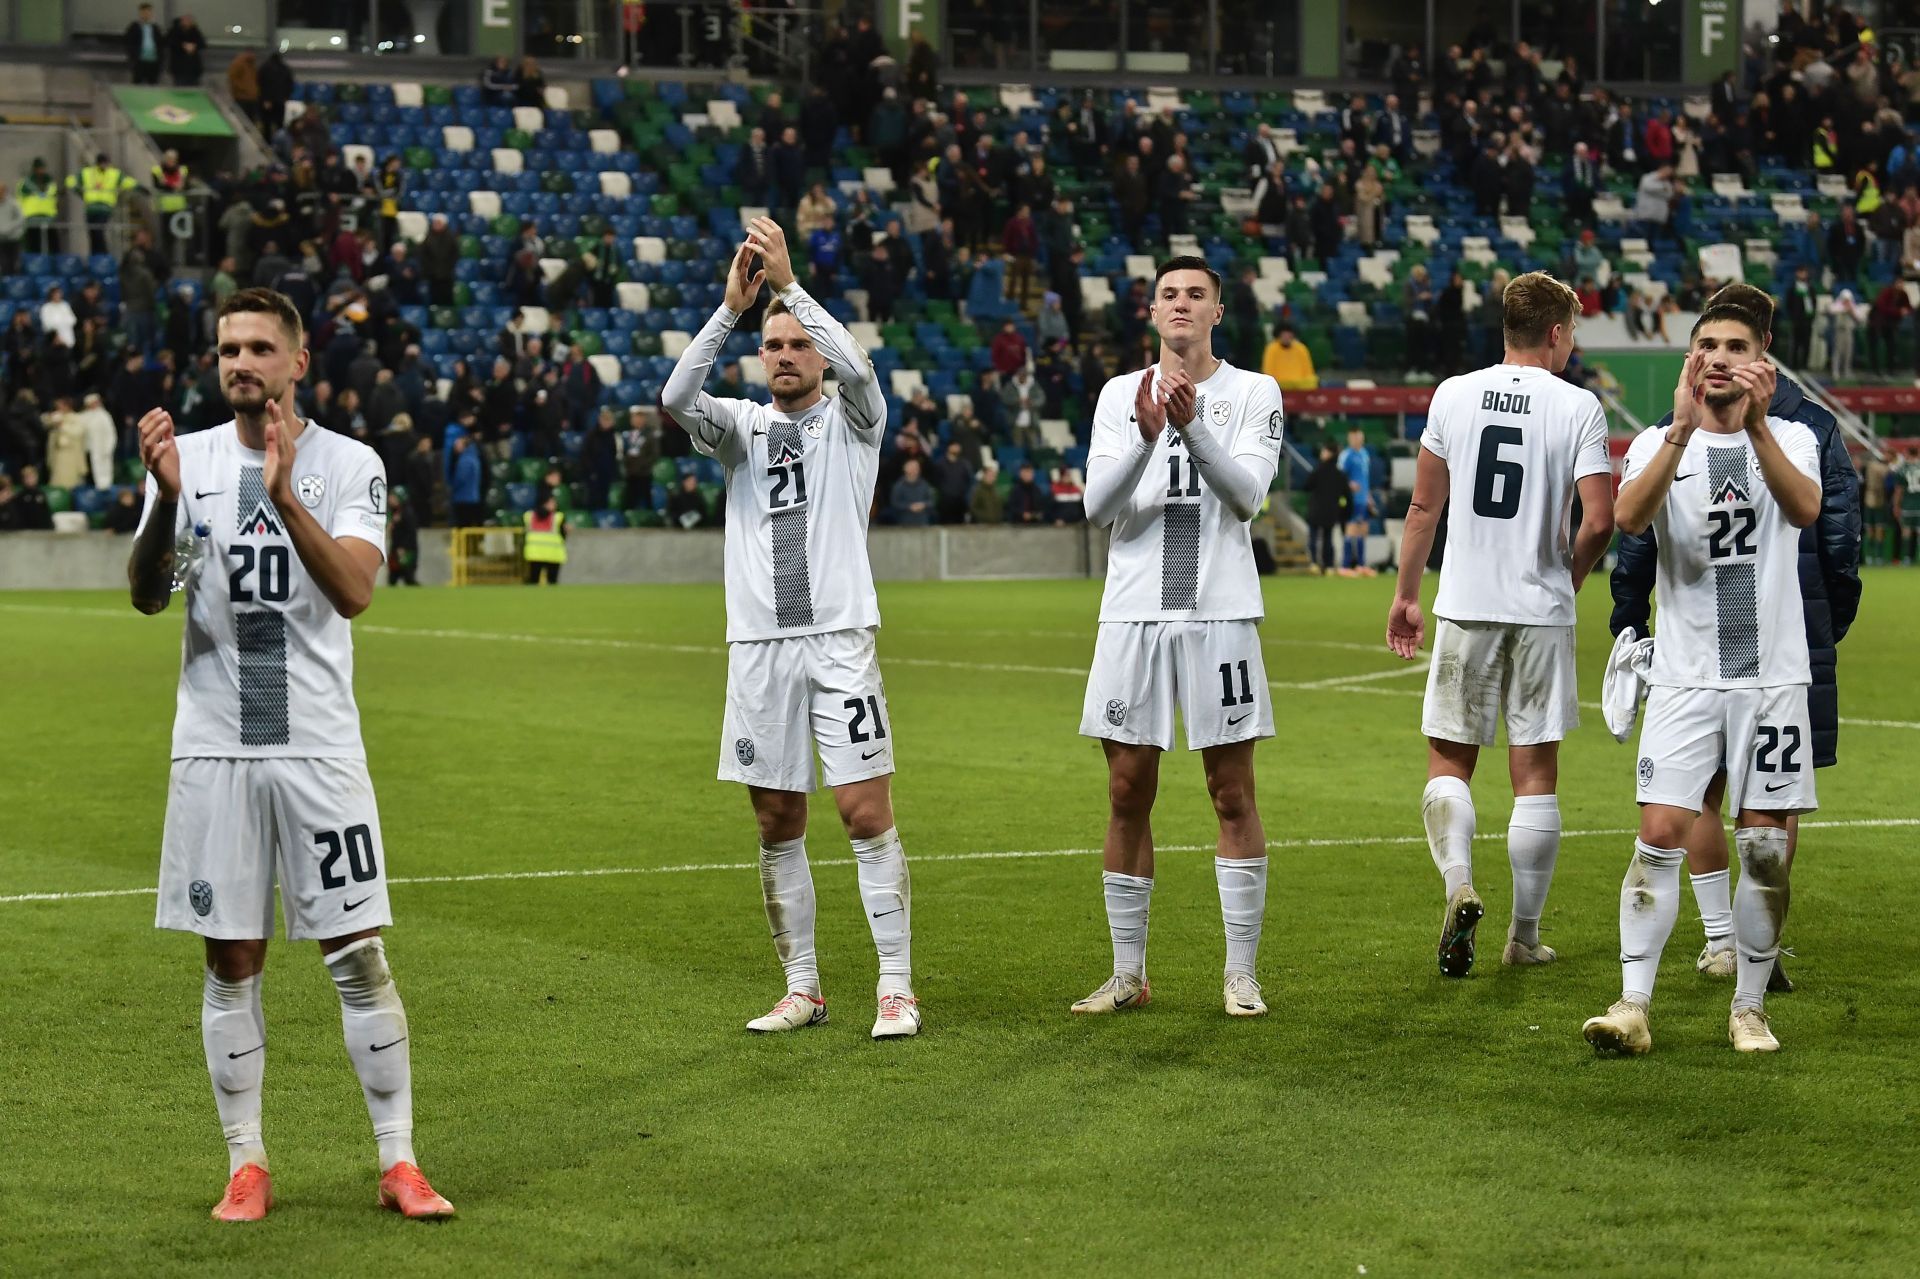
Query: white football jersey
point(1178, 554)
point(266, 661)
point(1728, 589)
point(1515, 440)
point(799, 486)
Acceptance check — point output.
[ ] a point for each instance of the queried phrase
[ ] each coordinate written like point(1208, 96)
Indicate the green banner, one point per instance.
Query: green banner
point(173, 111)
point(1710, 36)
point(496, 23)
point(899, 19)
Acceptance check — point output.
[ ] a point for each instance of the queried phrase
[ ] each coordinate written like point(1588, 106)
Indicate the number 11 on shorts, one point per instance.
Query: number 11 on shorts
point(1227, 697)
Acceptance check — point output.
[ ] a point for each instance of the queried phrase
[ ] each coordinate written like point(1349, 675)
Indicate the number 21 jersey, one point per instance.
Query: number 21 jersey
point(1516, 439)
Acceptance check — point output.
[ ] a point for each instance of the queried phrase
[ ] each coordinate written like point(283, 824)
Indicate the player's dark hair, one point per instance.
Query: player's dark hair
point(266, 302)
point(1186, 262)
point(1758, 302)
point(775, 307)
point(1727, 311)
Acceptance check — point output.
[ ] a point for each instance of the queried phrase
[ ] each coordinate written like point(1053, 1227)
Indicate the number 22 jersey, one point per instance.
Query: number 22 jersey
point(1516, 439)
point(1728, 589)
point(266, 661)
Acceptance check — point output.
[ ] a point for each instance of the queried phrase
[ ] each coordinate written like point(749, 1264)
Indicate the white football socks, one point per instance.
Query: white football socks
point(786, 885)
point(1712, 892)
point(375, 1025)
point(1533, 846)
point(887, 893)
point(234, 1034)
point(1759, 910)
point(1243, 906)
point(1447, 810)
point(1649, 903)
point(1128, 898)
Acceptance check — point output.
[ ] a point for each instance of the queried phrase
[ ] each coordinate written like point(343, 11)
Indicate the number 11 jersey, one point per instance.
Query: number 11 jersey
point(1515, 439)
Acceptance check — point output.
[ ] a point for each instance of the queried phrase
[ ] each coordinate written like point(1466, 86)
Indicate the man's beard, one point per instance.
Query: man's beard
point(802, 387)
point(1722, 397)
point(250, 397)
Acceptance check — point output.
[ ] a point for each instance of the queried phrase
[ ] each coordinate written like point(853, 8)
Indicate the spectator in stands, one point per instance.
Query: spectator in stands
point(1175, 194)
point(1025, 402)
point(56, 315)
point(13, 226)
point(816, 212)
point(753, 171)
point(1325, 216)
point(185, 46)
point(953, 482)
point(789, 169)
point(276, 90)
point(1889, 311)
point(1847, 314)
point(1288, 362)
point(530, 85)
point(1489, 182)
point(1653, 201)
point(989, 410)
point(1028, 503)
point(1800, 314)
point(122, 517)
point(145, 43)
point(1846, 244)
point(911, 501)
point(463, 482)
point(687, 505)
point(243, 84)
point(1369, 207)
point(1069, 496)
point(1328, 500)
point(1009, 349)
point(496, 83)
point(1591, 303)
point(1582, 179)
point(1450, 323)
point(1020, 241)
point(1131, 193)
point(1519, 177)
point(985, 505)
point(439, 256)
point(66, 446)
point(819, 121)
point(1625, 150)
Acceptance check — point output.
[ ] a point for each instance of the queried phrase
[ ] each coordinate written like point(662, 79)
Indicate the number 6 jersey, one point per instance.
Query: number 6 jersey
point(266, 661)
point(799, 485)
point(1728, 590)
point(1515, 439)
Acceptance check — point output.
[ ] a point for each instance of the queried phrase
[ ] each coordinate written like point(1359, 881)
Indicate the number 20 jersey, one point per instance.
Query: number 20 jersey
point(1516, 439)
point(1728, 589)
point(266, 661)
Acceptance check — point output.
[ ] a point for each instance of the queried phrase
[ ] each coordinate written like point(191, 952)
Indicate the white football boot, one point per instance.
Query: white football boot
point(1117, 994)
point(796, 1011)
point(1242, 997)
point(899, 1017)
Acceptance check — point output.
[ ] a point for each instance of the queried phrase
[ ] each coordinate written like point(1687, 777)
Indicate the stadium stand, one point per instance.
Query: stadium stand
point(561, 253)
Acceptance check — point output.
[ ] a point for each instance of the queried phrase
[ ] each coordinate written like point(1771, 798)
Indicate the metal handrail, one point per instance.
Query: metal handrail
point(1611, 401)
point(1852, 426)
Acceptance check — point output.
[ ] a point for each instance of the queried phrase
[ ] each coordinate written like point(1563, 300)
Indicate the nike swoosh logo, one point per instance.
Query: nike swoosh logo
point(758, 432)
point(356, 905)
point(871, 754)
point(895, 911)
point(1770, 789)
point(1689, 475)
point(1232, 722)
point(782, 933)
point(198, 495)
point(380, 1048)
point(250, 1052)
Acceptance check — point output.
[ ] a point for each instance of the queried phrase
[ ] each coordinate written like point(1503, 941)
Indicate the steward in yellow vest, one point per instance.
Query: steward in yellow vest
point(99, 186)
point(170, 183)
point(39, 198)
point(546, 542)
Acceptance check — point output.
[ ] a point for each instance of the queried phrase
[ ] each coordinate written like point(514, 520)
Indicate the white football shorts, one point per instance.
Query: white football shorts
point(236, 826)
point(785, 697)
point(1481, 669)
point(1760, 736)
point(1213, 671)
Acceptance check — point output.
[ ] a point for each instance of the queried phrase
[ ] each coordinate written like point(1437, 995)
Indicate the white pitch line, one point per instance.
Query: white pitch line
point(596, 872)
point(1338, 684)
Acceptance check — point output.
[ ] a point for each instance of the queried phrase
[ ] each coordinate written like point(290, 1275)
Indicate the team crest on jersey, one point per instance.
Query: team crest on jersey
point(785, 453)
point(311, 489)
point(743, 751)
point(1646, 771)
point(814, 426)
point(263, 522)
point(1733, 489)
point(1116, 712)
point(1222, 411)
point(200, 897)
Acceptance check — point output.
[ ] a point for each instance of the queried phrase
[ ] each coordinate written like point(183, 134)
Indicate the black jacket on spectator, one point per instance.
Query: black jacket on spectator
point(1328, 494)
point(1829, 566)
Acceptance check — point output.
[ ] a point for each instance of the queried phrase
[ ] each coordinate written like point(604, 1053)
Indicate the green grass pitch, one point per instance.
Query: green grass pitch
point(587, 1096)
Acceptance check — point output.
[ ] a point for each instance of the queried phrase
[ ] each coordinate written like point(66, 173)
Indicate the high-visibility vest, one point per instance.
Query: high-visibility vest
point(172, 197)
point(1867, 201)
point(1824, 146)
point(545, 543)
point(99, 188)
point(39, 202)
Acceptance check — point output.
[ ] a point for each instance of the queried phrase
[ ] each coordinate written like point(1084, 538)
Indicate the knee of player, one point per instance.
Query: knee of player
point(781, 815)
point(1665, 826)
point(235, 960)
point(1763, 853)
point(1232, 795)
point(1131, 795)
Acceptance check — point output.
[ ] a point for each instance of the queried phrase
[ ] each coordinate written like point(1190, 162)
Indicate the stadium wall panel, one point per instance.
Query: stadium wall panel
point(98, 561)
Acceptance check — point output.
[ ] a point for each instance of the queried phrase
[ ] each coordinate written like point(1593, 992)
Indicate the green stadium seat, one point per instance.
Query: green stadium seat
point(437, 95)
point(470, 247)
point(617, 495)
point(530, 470)
point(506, 226)
point(58, 499)
point(443, 317)
point(665, 472)
point(421, 158)
point(645, 343)
point(517, 140)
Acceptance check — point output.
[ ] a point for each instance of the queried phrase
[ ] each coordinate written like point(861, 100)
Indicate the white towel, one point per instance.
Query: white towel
point(1625, 682)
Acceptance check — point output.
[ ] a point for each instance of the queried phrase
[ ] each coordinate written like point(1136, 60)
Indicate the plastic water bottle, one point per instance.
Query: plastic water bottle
point(189, 555)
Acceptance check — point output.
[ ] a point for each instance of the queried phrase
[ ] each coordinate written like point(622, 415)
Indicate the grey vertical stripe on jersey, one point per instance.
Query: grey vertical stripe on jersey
point(792, 583)
point(252, 496)
point(262, 642)
point(1734, 591)
point(1180, 555)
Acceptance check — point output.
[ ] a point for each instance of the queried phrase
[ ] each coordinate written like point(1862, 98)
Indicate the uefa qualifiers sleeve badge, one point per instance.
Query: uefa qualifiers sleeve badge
point(377, 494)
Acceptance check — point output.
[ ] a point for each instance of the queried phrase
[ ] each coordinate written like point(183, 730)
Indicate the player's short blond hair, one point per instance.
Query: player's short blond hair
point(1532, 305)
